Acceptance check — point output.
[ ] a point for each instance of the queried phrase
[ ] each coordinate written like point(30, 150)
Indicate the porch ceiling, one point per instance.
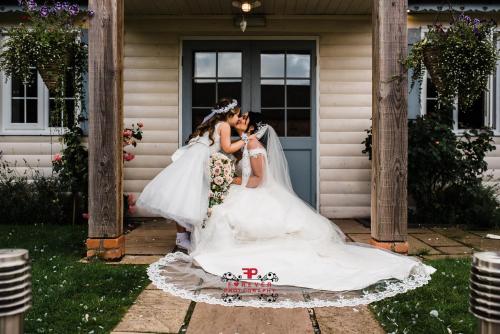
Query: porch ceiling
point(224, 7)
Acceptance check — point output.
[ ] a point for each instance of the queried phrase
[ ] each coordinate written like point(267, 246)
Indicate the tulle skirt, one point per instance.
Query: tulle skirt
point(273, 230)
point(180, 191)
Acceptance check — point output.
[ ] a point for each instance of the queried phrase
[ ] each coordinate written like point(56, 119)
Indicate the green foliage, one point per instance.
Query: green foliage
point(29, 197)
point(49, 41)
point(440, 307)
point(466, 57)
point(70, 296)
point(72, 169)
point(445, 174)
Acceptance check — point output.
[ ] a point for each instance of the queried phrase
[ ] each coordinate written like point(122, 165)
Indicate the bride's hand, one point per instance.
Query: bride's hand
point(237, 180)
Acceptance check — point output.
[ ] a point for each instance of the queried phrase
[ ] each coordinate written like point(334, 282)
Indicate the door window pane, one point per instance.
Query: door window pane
point(298, 123)
point(198, 115)
point(289, 91)
point(274, 118)
point(272, 93)
point(298, 65)
point(216, 75)
point(230, 89)
point(204, 92)
point(272, 65)
point(298, 93)
point(204, 64)
point(229, 65)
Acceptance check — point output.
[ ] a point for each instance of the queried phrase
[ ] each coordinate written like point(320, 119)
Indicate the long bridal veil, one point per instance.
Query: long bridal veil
point(272, 228)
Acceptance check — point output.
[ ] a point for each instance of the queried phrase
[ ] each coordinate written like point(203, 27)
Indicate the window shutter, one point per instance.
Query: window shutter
point(85, 123)
point(413, 94)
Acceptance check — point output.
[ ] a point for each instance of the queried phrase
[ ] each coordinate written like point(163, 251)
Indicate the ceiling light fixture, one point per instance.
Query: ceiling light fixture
point(246, 6)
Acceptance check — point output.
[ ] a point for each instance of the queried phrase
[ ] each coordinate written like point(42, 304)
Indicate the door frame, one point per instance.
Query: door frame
point(314, 100)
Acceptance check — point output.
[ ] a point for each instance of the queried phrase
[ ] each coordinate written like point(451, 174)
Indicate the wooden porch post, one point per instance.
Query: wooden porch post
point(389, 126)
point(105, 235)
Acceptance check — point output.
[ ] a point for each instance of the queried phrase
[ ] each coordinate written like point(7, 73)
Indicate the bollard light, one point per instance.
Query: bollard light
point(485, 291)
point(15, 289)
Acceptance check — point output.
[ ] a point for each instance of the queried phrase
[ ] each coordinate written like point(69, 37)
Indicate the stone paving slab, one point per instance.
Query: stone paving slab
point(154, 311)
point(454, 233)
point(483, 244)
point(350, 226)
point(218, 319)
point(418, 230)
point(455, 250)
point(347, 320)
point(417, 247)
point(436, 239)
point(360, 237)
point(139, 259)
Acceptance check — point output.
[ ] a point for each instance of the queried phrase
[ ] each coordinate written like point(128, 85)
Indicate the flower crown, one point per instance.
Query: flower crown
point(223, 110)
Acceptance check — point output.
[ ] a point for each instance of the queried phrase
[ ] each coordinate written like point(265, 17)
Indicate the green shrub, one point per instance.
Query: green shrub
point(31, 198)
point(445, 174)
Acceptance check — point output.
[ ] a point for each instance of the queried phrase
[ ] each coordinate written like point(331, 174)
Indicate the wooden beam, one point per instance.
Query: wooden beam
point(105, 122)
point(389, 124)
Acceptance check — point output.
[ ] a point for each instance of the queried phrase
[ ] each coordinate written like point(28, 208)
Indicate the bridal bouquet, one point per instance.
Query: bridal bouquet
point(221, 175)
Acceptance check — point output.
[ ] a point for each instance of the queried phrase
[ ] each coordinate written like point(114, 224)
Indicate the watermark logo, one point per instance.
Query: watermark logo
point(239, 285)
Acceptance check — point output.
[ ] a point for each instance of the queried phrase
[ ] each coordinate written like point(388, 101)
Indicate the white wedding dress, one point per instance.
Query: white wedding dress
point(302, 254)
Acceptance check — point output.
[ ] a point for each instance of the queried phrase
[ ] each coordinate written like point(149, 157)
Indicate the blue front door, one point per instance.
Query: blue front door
point(276, 78)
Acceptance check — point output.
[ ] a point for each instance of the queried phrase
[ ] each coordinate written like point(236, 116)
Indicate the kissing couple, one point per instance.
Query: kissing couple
point(261, 223)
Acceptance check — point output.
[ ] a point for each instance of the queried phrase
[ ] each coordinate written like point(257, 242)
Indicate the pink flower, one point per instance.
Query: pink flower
point(131, 199)
point(217, 171)
point(127, 133)
point(140, 124)
point(218, 180)
point(132, 209)
point(57, 157)
point(85, 215)
point(128, 156)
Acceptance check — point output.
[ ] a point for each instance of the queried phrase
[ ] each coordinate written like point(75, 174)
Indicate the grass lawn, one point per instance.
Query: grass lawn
point(439, 307)
point(68, 296)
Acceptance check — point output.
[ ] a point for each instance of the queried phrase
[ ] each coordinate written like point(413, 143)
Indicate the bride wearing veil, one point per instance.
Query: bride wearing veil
point(263, 228)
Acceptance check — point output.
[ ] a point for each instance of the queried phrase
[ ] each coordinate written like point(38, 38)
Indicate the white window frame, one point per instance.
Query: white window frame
point(492, 96)
point(42, 126)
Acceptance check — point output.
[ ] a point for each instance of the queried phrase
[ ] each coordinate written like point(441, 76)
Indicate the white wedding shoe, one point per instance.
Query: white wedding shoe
point(183, 242)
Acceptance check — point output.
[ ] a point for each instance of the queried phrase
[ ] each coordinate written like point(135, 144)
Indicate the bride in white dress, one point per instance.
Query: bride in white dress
point(263, 227)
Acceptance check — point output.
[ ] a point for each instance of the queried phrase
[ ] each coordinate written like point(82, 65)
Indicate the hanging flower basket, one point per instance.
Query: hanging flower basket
point(51, 72)
point(459, 59)
point(49, 39)
point(431, 61)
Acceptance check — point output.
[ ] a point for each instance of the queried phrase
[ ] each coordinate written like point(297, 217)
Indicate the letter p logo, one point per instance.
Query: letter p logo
point(250, 272)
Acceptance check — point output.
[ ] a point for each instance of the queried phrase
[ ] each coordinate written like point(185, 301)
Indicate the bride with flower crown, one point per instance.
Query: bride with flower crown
point(263, 228)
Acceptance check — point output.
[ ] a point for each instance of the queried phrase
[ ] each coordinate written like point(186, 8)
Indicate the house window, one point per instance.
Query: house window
point(475, 117)
point(26, 108)
point(484, 112)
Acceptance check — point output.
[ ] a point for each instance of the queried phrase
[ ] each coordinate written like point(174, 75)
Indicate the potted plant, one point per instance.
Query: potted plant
point(459, 59)
point(49, 40)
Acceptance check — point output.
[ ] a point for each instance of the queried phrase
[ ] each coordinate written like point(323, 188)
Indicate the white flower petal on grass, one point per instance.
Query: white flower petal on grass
point(434, 313)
